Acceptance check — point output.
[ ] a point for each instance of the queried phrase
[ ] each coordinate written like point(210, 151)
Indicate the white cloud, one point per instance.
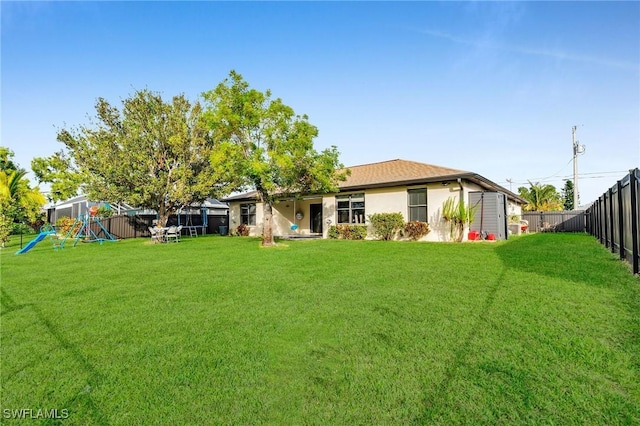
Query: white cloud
point(486, 43)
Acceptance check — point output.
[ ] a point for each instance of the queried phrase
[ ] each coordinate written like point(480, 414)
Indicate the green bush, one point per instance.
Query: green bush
point(64, 224)
point(348, 232)
point(386, 225)
point(416, 230)
point(105, 211)
point(241, 231)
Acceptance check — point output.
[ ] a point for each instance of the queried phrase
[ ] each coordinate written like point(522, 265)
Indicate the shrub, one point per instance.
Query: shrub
point(105, 211)
point(386, 225)
point(416, 230)
point(241, 231)
point(356, 232)
point(348, 232)
point(457, 215)
point(29, 226)
point(64, 224)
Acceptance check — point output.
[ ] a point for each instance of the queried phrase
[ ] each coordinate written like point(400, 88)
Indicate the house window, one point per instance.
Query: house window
point(350, 208)
point(248, 214)
point(417, 203)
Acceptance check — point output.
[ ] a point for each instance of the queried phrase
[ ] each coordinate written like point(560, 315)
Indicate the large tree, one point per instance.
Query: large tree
point(261, 144)
point(153, 154)
point(540, 197)
point(19, 202)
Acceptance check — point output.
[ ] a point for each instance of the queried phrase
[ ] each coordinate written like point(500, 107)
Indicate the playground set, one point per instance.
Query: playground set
point(80, 230)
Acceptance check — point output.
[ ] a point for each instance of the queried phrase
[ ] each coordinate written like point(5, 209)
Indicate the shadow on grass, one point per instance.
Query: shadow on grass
point(572, 257)
point(80, 403)
point(552, 257)
point(436, 396)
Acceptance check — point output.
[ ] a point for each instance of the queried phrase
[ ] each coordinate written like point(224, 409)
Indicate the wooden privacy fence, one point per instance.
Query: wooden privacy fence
point(134, 226)
point(613, 219)
point(565, 221)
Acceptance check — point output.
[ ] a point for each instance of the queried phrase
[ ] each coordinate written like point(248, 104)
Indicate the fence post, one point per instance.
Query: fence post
point(603, 227)
point(594, 219)
point(604, 221)
point(613, 242)
point(621, 222)
point(598, 231)
point(633, 181)
point(541, 222)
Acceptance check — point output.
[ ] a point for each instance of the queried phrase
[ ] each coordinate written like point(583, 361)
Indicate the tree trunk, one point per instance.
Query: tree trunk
point(163, 215)
point(267, 232)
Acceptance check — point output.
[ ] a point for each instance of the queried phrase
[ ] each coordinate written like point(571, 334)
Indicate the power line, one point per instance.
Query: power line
point(565, 177)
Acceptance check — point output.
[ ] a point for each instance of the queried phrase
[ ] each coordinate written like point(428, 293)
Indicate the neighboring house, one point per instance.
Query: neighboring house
point(78, 205)
point(416, 190)
point(81, 204)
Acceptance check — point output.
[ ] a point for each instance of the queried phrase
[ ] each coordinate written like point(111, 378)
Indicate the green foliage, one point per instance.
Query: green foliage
point(6, 160)
point(65, 224)
point(416, 230)
point(260, 143)
point(348, 232)
point(540, 198)
point(151, 154)
point(105, 211)
point(19, 202)
point(58, 170)
point(385, 226)
point(458, 215)
point(514, 218)
point(567, 195)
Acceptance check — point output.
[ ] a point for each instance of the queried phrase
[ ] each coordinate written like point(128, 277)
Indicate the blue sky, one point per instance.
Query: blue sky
point(489, 87)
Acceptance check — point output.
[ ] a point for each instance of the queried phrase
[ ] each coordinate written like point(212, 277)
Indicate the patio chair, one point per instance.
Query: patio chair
point(156, 236)
point(173, 234)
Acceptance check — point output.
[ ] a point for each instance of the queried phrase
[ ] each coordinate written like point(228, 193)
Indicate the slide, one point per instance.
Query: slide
point(41, 236)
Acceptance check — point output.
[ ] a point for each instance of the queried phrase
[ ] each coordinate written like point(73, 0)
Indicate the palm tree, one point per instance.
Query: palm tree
point(18, 201)
point(541, 197)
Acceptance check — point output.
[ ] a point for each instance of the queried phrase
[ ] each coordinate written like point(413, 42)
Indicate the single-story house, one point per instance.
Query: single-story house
point(417, 190)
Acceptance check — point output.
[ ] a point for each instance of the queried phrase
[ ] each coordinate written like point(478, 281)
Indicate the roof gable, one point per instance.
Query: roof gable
point(396, 172)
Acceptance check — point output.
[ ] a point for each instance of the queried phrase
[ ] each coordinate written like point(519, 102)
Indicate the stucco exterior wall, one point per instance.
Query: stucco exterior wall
point(285, 215)
point(513, 208)
point(234, 218)
point(395, 199)
point(377, 200)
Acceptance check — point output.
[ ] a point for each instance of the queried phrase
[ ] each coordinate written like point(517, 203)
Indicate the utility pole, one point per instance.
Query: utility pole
point(510, 183)
point(577, 149)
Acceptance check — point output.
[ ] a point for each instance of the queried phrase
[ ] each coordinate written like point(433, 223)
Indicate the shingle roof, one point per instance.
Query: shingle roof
point(399, 172)
point(396, 172)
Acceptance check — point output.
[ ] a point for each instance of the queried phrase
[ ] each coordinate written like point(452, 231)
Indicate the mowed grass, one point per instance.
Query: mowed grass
point(542, 329)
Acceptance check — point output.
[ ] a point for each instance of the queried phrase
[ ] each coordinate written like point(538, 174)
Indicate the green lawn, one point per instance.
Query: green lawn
point(542, 329)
